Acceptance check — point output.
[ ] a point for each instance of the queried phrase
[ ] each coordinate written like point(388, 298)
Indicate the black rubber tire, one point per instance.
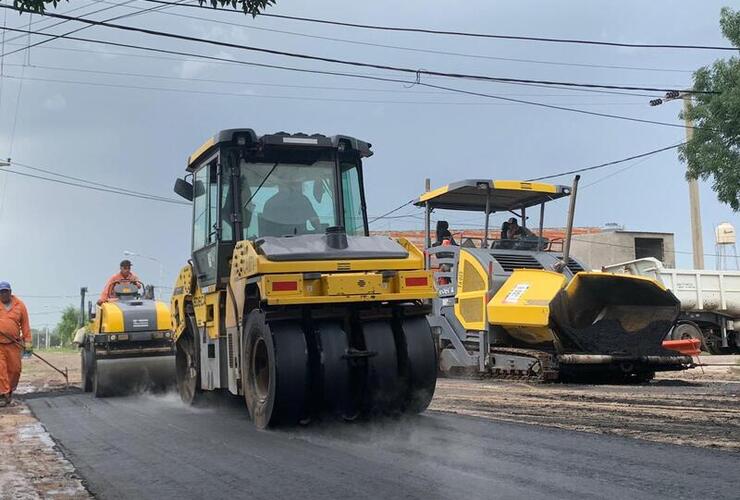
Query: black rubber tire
point(384, 386)
point(187, 364)
point(420, 359)
point(86, 367)
point(335, 371)
point(275, 371)
point(688, 330)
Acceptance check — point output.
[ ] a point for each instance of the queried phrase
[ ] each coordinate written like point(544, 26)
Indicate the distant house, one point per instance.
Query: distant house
point(611, 247)
point(593, 246)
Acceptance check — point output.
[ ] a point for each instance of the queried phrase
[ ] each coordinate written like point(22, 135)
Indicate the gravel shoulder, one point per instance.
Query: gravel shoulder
point(31, 464)
point(698, 407)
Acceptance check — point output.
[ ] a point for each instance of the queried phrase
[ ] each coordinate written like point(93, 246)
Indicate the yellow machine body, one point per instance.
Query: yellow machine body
point(299, 282)
point(513, 304)
point(288, 300)
point(110, 318)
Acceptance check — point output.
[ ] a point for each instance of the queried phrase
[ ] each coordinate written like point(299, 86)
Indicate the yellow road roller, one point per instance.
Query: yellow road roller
point(127, 344)
point(287, 300)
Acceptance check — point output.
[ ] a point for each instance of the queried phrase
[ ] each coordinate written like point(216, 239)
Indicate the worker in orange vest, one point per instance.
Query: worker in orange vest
point(125, 275)
point(15, 332)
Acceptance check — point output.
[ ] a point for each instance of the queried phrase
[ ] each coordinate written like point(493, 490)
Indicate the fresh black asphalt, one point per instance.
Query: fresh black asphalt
point(155, 447)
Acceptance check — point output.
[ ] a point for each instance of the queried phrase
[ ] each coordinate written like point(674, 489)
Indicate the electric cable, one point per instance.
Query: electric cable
point(86, 181)
point(462, 33)
point(377, 78)
point(610, 163)
point(94, 188)
point(416, 72)
point(417, 49)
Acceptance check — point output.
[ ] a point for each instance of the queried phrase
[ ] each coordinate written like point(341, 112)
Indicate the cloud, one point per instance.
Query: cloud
point(57, 102)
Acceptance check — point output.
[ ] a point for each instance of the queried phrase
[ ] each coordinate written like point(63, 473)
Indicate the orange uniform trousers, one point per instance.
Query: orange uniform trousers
point(10, 367)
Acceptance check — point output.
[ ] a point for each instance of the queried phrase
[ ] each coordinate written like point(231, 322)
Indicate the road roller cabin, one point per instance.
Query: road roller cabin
point(287, 300)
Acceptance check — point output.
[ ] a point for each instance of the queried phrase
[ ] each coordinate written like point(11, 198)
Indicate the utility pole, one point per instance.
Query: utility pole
point(697, 243)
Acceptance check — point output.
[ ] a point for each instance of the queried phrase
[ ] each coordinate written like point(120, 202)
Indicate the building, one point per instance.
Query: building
point(595, 250)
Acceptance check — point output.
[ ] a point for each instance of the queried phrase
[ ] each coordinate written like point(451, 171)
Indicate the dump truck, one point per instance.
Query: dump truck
point(514, 304)
point(287, 301)
point(710, 302)
point(127, 345)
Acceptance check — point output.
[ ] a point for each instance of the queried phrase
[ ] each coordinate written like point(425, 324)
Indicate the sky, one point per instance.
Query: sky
point(130, 119)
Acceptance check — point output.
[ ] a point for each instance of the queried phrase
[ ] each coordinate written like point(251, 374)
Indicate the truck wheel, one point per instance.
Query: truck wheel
point(686, 331)
point(275, 371)
point(187, 364)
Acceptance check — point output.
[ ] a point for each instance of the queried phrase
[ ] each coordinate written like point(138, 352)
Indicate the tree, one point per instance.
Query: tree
point(715, 149)
point(252, 7)
point(68, 324)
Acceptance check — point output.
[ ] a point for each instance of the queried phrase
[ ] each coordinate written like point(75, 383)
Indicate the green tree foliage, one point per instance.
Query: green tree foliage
point(714, 151)
point(68, 324)
point(252, 7)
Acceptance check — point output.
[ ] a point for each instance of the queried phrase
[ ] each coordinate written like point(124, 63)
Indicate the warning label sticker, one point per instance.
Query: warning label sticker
point(516, 293)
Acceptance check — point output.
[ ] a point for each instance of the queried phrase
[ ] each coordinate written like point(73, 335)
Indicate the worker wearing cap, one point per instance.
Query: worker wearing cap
point(123, 276)
point(15, 332)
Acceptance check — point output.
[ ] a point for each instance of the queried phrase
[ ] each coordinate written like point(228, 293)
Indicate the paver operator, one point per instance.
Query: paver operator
point(15, 332)
point(125, 275)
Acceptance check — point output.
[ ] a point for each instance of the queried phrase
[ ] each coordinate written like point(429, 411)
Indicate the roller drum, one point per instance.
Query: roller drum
point(113, 377)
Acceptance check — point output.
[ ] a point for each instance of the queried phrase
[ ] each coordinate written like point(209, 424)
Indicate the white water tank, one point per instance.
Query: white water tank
point(724, 234)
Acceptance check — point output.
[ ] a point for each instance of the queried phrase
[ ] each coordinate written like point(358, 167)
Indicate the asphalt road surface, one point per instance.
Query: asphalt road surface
point(154, 447)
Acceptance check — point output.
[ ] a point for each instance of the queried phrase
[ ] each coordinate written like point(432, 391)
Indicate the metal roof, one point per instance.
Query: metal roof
point(470, 195)
point(280, 139)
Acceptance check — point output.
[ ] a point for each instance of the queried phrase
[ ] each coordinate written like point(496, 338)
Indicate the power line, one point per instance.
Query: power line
point(292, 98)
point(53, 25)
point(390, 212)
point(279, 85)
point(610, 163)
point(216, 60)
point(87, 181)
point(94, 188)
point(416, 72)
point(608, 176)
point(81, 19)
point(561, 108)
point(421, 50)
point(377, 78)
point(464, 34)
point(207, 60)
point(585, 169)
point(29, 45)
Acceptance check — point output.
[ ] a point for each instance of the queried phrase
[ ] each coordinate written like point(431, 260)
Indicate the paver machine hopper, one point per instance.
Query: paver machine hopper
point(287, 300)
point(520, 306)
point(127, 344)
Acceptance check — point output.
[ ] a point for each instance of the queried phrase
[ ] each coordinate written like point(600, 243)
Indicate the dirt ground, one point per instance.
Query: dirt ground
point(698, 407)
point(31, 466)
